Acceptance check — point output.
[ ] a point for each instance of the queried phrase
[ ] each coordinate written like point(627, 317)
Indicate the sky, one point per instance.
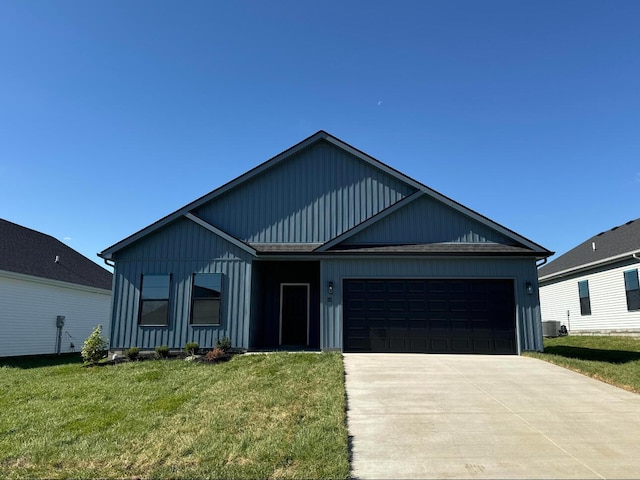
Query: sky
point(114, 114)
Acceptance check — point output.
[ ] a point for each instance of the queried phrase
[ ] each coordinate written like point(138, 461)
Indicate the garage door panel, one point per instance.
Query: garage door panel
point(425, 315)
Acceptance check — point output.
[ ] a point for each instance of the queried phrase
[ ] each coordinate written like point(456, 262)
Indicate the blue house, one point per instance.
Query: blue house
point(323, 247)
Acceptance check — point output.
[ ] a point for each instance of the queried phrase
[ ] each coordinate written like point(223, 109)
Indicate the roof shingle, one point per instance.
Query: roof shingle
point(29, 252)
point(619, 240)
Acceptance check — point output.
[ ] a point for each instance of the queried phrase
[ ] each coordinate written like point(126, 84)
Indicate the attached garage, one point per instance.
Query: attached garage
point(430, 316)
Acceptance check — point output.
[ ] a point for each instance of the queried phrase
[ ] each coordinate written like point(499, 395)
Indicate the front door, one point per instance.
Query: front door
point(294, 314)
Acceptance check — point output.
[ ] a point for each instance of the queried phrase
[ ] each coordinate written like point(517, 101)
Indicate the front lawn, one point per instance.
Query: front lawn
point(615, 360)
point(256, 416)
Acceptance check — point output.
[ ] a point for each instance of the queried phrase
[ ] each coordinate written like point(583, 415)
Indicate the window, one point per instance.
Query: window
point(205, 298)
point(633, 289)
point(154, 300)
point(585, 301)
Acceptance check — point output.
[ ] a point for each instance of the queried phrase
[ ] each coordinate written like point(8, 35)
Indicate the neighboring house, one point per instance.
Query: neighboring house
point(593, 288)
point(43, 280)
point(324, 247)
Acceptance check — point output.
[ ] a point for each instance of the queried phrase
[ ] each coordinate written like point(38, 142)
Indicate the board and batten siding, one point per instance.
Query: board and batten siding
point(521, 270)
point(608, 298)
point(427, 220)
point(29, 307)
point(181, 249)
point(311, 197)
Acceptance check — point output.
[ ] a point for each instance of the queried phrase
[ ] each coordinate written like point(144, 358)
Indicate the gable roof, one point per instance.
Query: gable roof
point(29, 252)
point(326, 137)
point(611, 245)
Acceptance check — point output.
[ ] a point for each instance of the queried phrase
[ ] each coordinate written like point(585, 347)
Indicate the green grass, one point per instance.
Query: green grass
point(256, 416)
point(615, 360)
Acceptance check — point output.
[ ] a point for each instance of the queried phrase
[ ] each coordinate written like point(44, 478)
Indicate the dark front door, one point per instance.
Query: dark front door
point(430, 315)
point(294, 314)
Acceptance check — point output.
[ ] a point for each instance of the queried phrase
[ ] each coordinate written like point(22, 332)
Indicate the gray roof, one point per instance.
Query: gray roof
point(620, 240)
point(321, 135)
point(438, 249)
point(427, 248)
point(33, 253)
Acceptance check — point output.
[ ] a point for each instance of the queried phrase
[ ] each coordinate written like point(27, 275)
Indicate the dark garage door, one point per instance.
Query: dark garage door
point(431, 316)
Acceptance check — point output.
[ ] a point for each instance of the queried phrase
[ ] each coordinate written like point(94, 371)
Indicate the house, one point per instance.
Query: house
point(593, 288)
point(324, 247)
point(51, 297)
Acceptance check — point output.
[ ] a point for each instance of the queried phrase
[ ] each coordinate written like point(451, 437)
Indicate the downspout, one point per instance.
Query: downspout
point(544, 261)
point(112, 264)
point(635, 255)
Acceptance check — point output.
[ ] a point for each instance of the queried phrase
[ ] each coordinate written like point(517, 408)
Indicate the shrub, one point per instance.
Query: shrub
point(132, 353)
point(94, 347)
point(162, 351)
point(215, 354)
point(224, 344)
point(191, 348)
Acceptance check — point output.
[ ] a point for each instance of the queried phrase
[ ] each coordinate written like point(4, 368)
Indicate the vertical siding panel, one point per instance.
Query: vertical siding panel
point(306, 198)
point(200, 252)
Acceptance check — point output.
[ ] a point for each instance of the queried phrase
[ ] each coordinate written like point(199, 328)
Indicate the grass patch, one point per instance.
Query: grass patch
point(255, 416)
point(614, 360)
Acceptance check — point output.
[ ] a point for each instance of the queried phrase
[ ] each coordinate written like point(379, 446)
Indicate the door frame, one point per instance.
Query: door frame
point(308, 285)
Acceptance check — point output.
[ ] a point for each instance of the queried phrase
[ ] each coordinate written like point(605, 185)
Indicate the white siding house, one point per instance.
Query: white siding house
point(41, 279)
point(593, 288)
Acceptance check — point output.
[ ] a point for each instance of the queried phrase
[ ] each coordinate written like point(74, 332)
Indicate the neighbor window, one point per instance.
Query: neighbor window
point(633, 289)
point(585, 301)
point(205, 298)
point(154, 300)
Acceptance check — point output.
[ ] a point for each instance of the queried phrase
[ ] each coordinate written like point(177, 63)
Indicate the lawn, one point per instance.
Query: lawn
point(256, 416)
point(615, 360)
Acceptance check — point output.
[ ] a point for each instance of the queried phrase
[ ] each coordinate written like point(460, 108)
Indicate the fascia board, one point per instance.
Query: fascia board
point(54, 283)
point(322, 135)
point(369, 221)
point(440, 197)
point(229, 238)
point(108, 252)
point(588, 266)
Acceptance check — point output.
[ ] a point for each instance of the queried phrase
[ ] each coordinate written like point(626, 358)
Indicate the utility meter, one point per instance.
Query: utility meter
point(60, 321)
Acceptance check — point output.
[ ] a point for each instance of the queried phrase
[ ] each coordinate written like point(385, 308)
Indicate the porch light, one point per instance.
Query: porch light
point(330, 288)
point(528, 288)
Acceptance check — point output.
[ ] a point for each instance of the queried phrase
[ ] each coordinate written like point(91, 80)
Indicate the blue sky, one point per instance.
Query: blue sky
point(114, 114)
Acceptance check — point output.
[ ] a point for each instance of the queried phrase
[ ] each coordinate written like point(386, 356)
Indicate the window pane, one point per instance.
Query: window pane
point(208, 284)
point(633, 300)
point(206, 299)
point(585, 306)
point(631, 280)
point(154, 312)
point(583, 289)
point(155, 287)
point(206, 312)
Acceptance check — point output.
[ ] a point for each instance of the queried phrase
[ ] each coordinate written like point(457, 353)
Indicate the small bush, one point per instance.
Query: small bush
point(94, 347)
point(191, 348)
point(224, 344)
point(215, 354)
point(162, 351)
point(132, 353)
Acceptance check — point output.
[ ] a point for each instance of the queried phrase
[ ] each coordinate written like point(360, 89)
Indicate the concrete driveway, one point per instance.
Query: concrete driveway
point(470, 416)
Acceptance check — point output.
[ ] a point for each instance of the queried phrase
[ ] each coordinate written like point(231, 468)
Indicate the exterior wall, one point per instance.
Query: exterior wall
point(426, 220)
point(309, 198)
point(181, 249)
point(29, 307)
point(608, 301)
point(521, 270)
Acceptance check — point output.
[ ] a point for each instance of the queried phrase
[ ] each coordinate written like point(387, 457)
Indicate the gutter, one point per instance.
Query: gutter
point(569, 271)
